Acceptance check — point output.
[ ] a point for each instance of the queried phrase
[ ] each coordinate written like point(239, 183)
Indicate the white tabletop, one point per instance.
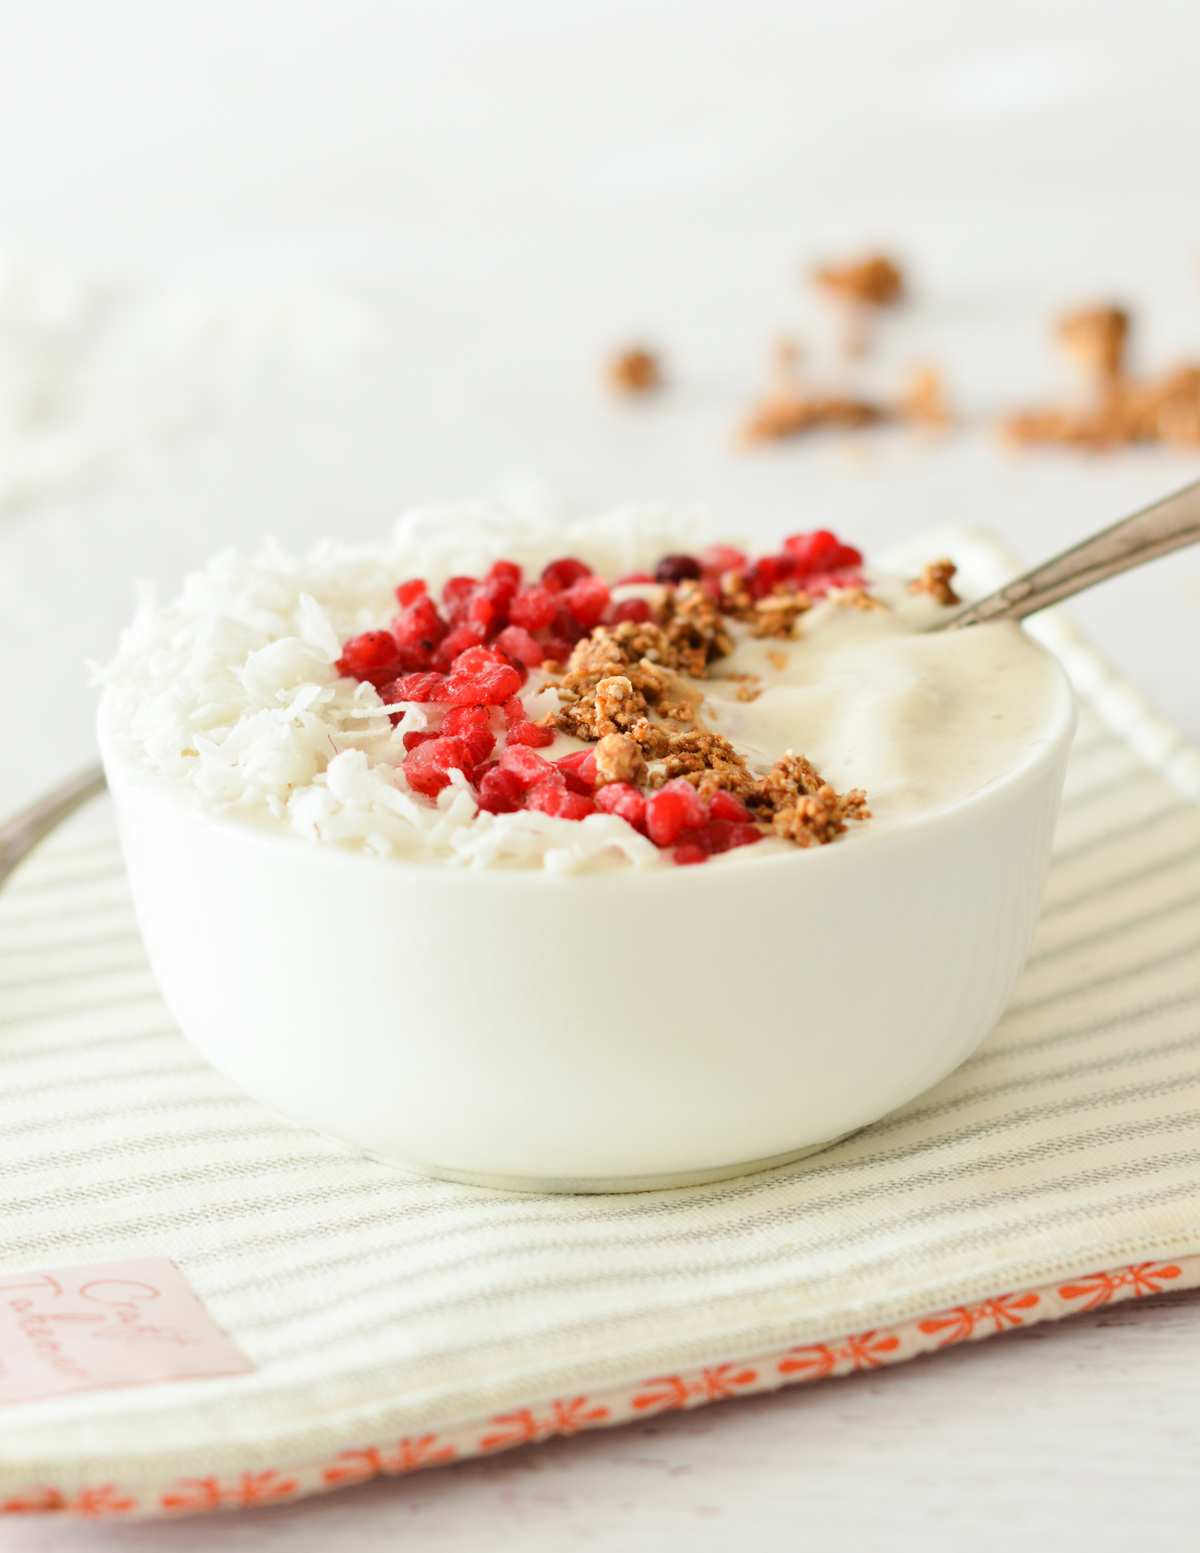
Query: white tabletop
point(292, 268)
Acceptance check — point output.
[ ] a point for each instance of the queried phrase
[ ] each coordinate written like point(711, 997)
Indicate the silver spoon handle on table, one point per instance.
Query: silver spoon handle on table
point(1156, 530)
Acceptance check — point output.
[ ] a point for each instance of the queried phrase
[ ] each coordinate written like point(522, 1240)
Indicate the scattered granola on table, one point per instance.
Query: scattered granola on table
point(1120, 409)
point(634, 371)
point(862, 288)
point(789, 408)
point(923, 400)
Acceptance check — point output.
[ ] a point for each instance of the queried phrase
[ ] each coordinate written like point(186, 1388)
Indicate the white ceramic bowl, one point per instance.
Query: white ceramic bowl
point(599, 1033)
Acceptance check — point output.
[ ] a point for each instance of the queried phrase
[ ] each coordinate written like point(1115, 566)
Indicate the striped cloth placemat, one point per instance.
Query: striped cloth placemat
point(395, 1322)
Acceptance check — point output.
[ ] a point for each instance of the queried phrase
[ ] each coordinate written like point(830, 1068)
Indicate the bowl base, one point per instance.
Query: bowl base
point(591, 1185)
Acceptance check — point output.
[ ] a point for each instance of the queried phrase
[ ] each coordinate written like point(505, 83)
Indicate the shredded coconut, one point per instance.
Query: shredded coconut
point(228, 699)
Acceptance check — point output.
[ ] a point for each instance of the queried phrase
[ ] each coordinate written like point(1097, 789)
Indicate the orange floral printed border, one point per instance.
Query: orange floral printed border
point(570, 1415)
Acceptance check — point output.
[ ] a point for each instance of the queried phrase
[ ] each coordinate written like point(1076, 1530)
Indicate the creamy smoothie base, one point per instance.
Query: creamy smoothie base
point(274, 692)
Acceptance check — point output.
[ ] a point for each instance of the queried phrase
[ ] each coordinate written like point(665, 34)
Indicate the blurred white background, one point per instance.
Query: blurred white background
point(288, 267)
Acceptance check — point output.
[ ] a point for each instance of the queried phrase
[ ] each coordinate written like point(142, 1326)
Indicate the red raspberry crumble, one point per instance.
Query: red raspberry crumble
point(374, 655)
point(428, 767)
point(471, 656)
point(561, 574)
point(630, 609)
point(527, 767)
point(529, 734)
point(820, 551)
point(500, 792)
point(623, 799)
point(676, 807)
point(533, 609)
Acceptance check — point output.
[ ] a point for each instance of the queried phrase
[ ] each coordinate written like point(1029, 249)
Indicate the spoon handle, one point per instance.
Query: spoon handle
point(22, 833)
point(1157, 530)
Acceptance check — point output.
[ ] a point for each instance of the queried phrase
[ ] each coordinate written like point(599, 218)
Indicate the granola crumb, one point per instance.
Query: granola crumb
point(855, 598)
point(694, 628)
point(875, 280)
point(776, 615)
point(800, 806)
point(923, 401)
point(819, 818)
point(619, 758)
point(935, 580)
point(788, 409)
point(622, 690)
point(1095, 339)
point(1125, 410)
point(634, 371)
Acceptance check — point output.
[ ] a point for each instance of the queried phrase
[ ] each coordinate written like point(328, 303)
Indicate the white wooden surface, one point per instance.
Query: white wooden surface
point(513, 187)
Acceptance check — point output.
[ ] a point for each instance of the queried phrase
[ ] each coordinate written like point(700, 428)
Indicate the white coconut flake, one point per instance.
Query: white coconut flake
point(229, 698)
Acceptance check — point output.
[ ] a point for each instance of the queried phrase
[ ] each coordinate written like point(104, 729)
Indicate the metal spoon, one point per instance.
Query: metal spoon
point(1156, 530)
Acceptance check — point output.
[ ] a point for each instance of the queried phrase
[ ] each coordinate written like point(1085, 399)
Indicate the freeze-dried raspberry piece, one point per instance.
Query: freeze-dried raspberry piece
point(562, 573)
point(623, 799)
point(529, 734)
point(727, 806)
point(675, 568)
point(533, 608)
point(676, 807)
point(511, 571)
point(419, 736)
point(499, 791)
point(372, 656)
point(566, 628)
point(428, 767)
point(550, 798)
point(485, 687)
point(818, 584)
point(630, 609)
point(579, 769)
point(462, 639)
point(743, 835)
point(472, 725)
point(527, 767)
point(480, 743)
point(587, 600)
point(820, 551)
point(557, 650)
point(459, 718)
point(419, 625)
point(475, 659)
point(631, 577)
point(499, 589)
point(408, 592)
point(716, 560)
point(768, 572)
point(414, 660)
point(518, 643)
point(689, 853)
point(456, 591)
point(416, 687)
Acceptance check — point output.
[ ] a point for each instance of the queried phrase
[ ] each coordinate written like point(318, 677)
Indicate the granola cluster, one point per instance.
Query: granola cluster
point(631, 689)
point(1120, 409)
point(935, 580)
point(802, 806)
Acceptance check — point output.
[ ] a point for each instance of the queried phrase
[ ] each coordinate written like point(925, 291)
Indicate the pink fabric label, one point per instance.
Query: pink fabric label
point(106, 1324)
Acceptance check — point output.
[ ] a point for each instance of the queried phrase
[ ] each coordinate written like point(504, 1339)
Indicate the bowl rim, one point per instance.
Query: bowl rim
point(1060, 725)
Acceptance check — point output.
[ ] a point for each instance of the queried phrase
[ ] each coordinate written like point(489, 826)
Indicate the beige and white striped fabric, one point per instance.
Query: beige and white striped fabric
point(395, 1322)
